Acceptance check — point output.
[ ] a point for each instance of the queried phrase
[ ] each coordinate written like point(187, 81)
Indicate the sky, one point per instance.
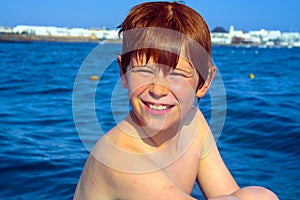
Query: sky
point(245, 15)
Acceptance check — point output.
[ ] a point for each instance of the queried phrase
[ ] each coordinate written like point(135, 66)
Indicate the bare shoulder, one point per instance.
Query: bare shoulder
point(94, 181)
point(203, 134)
point(99, 181)
point(113, 171)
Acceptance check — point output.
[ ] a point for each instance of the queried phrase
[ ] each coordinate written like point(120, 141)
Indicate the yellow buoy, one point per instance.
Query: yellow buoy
point(94, 78)
point(251, 76)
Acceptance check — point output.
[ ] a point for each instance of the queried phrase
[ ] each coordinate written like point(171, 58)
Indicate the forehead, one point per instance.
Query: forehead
point(184, 64)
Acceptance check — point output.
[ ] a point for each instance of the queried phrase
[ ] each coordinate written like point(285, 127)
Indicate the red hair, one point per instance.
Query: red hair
point(163, 46)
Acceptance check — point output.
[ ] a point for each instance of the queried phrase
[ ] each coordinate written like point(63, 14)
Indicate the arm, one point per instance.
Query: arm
point(213, 176)
point(217, 183)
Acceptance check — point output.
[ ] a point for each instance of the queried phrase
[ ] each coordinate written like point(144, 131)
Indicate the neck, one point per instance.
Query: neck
point(155, 138)
point(160, 139)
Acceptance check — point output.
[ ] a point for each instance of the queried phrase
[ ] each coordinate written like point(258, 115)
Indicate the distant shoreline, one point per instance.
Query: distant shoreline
point(12, 37)
point(219, 36)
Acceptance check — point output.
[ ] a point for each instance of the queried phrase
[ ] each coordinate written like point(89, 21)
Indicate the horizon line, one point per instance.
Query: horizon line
point(106, 28)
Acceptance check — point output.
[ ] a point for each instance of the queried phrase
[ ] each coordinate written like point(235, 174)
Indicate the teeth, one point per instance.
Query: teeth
point(158, 107)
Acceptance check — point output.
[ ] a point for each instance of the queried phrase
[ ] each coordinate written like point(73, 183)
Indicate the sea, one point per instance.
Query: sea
point(44, 145)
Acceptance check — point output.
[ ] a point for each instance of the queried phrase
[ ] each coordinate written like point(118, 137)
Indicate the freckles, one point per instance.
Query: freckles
point(136, 84)
point(170, 187)
point(137, 91)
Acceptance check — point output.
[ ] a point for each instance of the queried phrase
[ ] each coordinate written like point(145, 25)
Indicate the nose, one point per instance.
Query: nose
point(157, 90)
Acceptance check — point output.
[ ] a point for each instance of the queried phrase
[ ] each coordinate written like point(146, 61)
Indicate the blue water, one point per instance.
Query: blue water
point(42, 155)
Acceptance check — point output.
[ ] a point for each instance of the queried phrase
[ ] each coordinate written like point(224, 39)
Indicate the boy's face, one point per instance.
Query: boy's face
point(160, 99)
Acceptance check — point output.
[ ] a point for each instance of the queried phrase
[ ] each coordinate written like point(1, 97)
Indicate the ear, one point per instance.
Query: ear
point(211, 74)
point(122, 75)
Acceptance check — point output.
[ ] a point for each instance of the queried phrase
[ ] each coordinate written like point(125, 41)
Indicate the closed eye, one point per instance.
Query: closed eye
point(141, 70)
point(180, 73)
point(177, 74)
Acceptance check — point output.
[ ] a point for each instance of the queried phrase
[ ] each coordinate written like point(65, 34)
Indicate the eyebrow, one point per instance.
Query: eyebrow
point(187, 69)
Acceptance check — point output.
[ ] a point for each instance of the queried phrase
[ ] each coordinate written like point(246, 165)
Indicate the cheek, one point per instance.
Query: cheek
point(136, 88)
point(186, 90)
point(185, 96)
point(186, 99)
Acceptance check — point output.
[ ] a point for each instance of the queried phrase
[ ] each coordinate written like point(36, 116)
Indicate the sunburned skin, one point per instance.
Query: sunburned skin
point(159, 155)
point(127, 155)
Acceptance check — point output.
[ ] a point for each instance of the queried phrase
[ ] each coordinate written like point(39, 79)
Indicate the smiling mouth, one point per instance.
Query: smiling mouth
point(158, 107)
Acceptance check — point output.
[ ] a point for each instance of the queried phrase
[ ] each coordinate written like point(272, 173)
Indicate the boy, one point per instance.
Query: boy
point(164, 145)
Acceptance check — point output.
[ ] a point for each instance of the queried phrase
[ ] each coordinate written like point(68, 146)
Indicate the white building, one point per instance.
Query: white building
point(260, 37)
point(62, 31)
point(220, 38)
point(235, 33)
point(5, 29)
